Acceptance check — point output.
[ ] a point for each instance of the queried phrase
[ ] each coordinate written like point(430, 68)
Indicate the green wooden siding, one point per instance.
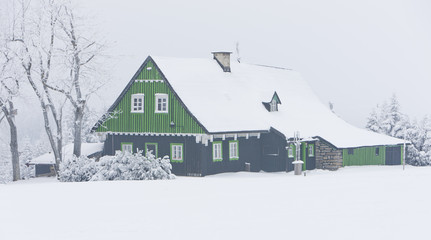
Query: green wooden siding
point(364, 156)
point(149, 121)
point(149, 72)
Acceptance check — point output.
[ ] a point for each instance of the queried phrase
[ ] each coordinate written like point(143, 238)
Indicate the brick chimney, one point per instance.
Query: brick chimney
point(223, 59)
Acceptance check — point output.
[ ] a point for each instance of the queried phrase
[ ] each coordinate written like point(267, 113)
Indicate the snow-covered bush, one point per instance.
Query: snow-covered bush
point(128, 166)
point(77, 169)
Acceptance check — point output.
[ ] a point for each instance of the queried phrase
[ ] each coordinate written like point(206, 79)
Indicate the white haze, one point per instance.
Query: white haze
point(355, 54)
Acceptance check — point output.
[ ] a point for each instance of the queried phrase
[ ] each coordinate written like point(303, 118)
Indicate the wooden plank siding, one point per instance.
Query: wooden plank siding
point(364, 156)
point(149, 121)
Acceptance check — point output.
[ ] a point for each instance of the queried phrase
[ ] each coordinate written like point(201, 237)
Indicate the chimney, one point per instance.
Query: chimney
point(223, 59)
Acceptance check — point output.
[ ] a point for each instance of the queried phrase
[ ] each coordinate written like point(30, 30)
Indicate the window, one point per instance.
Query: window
point(350, 151)
point(177, 152)
point(233, 150)
point(270, 150)
point(127, 147)
point(217, 152)
point(377, 151)
point(290, 151)
point(161, 103)
point(151, 147)
point(311, 150)
point(273, 106)
point(138, 103)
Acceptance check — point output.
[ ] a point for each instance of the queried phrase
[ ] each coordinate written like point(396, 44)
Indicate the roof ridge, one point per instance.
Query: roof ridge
point(261, 65)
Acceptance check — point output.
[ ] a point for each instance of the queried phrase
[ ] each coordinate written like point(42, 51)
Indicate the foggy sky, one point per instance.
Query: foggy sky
point(355, 54)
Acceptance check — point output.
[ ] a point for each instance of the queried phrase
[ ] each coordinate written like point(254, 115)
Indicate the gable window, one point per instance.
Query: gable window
point(233, 150)
point(161, 103)
point(138, 103)
point(311, 150)
point(217, 152)
point(127, 147)
point(177, 152)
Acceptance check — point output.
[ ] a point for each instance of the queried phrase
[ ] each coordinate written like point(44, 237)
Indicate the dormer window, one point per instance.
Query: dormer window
point(272, 106)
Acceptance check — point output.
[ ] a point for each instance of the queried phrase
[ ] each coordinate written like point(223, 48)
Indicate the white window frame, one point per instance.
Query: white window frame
point(233, 150)
point(311, 150)
point(137, 96)
point(162, 96)
point(217, 151)
point(177, 152)
point(290, 151)
point(273, 106)
point(127, 147)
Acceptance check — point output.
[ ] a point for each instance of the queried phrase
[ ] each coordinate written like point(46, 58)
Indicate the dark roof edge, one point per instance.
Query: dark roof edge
point(126, 89)
point(178, 97)
point(117, 101)
point(399, 144)
point(277, 132)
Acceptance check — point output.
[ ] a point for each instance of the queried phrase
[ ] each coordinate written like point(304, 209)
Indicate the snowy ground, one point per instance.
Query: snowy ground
point(379, 202)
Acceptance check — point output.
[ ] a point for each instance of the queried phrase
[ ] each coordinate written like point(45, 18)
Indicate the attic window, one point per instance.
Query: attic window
point(161, 103)
point(272, 106)
point(138, 103)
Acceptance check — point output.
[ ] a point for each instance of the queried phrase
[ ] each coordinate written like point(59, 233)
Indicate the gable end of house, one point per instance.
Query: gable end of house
point(148, 82)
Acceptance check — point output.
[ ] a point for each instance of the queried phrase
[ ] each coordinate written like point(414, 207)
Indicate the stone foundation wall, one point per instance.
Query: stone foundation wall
point(327, 156)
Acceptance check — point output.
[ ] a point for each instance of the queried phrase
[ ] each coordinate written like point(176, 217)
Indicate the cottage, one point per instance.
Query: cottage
point(214, 115)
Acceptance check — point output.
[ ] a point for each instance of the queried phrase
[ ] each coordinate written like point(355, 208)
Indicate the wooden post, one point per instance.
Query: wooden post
point(404, 150)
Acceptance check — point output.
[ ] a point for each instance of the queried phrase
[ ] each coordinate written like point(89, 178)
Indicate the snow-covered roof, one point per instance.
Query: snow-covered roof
point(86, 149)
point(232, 101)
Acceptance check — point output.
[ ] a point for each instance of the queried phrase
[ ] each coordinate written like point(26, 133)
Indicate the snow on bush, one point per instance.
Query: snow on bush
point(128, 166)
point(122, 166)
point(77, 169)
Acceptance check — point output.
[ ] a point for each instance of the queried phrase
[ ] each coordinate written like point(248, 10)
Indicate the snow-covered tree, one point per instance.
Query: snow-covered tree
point(419, 153)
point(34, 37)
point(373, 121)
point(81, 52)
point(9, 89)
point(90, 117)
point(389, 120)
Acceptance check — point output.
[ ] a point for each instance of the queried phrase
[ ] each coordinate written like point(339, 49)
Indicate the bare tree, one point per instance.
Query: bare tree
point(80, 51)
point(34, 36)
point(9, 88)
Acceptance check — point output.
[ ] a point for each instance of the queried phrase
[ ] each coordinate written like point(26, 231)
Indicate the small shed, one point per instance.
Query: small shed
point(44, 164)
